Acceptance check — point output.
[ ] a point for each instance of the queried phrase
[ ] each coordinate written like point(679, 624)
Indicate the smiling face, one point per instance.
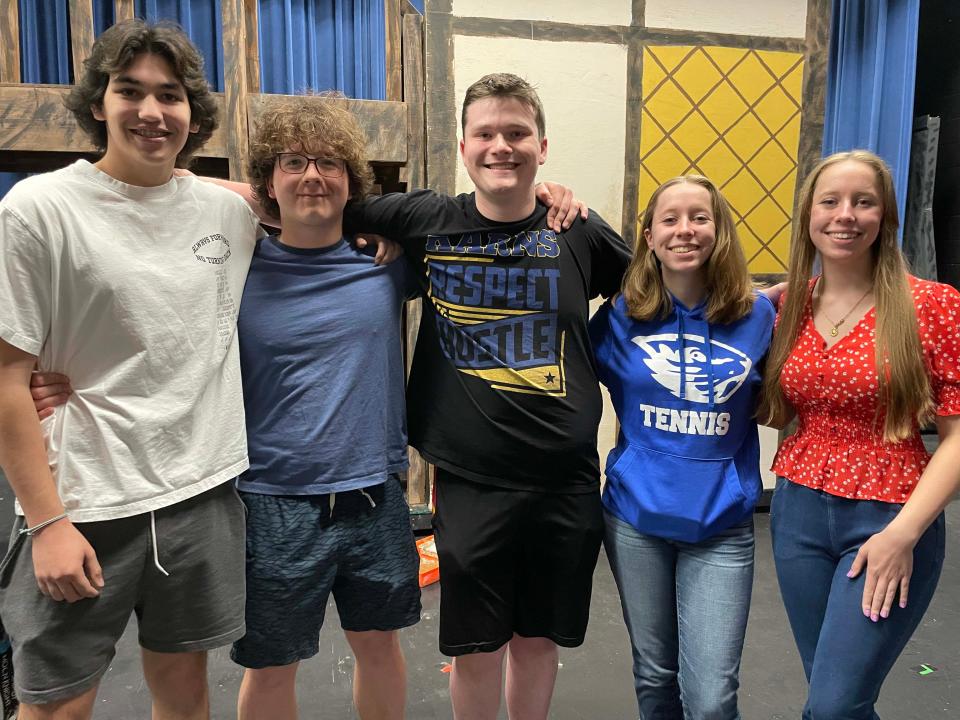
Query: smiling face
point(311, 199)
point(147, 115)
point(502, 151)
point(683, 231)
point(846, 212)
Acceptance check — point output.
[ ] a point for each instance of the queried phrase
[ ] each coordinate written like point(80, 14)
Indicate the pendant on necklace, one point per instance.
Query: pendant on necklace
point(833, 331)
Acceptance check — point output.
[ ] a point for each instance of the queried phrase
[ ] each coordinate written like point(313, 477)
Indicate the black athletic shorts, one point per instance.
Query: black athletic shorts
point(513, 561)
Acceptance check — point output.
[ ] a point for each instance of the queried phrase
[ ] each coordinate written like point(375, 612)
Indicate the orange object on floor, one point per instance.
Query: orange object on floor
point(429, 563)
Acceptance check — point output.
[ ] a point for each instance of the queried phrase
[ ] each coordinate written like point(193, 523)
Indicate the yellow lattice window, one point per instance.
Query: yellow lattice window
point(733, 115)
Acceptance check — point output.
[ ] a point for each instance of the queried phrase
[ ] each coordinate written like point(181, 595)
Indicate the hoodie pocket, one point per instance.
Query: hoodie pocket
point(675, 497)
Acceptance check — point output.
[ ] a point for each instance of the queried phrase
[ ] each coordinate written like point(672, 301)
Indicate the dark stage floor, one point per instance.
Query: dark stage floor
point(594, 681)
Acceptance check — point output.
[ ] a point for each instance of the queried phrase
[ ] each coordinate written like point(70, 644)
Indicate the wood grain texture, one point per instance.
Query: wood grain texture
point(631, 156)
point(9, 41)
point(414, 172)
point(81, 33)
point(33, 118)
point(418, 476)
point(123, 9)
point(441, 120)
point(234, 121)
point(814, 88)
point(394, 48)
point(383, 122)
point(251, 24)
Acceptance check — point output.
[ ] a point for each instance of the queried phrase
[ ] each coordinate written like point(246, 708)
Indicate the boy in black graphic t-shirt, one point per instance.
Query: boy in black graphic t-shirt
point(503, 399)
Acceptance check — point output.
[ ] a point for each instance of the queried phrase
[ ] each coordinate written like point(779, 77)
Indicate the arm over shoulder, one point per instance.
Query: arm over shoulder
point(610, 255)
point(398, 216)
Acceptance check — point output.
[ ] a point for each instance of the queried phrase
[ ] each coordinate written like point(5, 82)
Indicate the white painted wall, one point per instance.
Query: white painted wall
point(605, 12)
point(771, 18)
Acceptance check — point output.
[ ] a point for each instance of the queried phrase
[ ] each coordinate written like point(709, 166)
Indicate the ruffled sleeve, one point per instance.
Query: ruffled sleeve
point(939, 319)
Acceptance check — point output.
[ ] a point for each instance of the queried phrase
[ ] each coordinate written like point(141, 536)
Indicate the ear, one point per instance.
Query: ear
point(194, 127)
point(270, 192)
point(543, 151)
point(97, 112)
point(461, 149)
point(648, 236)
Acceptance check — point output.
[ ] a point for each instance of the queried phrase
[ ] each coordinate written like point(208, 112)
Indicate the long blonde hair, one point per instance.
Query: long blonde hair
point(905, 392)
point(730, 291)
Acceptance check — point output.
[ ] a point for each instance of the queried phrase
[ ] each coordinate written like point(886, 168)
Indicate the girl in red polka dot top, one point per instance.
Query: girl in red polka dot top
point(864, 354)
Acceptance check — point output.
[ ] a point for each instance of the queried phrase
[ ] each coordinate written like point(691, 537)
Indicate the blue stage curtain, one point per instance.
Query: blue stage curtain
point(870, 82)
point(323, 45)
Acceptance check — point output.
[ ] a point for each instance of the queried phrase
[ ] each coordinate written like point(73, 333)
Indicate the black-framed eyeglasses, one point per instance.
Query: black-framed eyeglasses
point(297, 164)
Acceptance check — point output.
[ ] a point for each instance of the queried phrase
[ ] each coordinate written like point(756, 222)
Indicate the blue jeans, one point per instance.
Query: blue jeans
point(846, 657)
point(686, 607)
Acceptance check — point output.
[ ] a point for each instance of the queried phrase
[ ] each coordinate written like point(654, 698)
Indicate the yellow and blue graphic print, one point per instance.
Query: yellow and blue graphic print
point(496, 297)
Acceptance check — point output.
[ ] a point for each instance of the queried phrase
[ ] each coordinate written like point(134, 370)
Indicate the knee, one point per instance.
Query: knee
point(830, 707)
point(524, 649)
point(711, 701)
point(180, 677)
point(480, 665)
point(271, 679)
point(375, 647)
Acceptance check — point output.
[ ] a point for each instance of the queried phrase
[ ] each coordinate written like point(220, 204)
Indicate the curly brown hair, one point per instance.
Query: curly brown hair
point(314, 124)
point(115, 50)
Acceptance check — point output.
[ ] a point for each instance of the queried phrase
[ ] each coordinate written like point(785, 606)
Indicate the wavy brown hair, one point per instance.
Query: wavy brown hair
point(905, 392)
point(313, 124)
point(729, 288)
point(115, 50)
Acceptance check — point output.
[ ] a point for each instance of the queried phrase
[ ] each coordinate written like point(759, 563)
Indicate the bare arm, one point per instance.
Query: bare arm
point(65, 565)
point(888, 555)
point(244, 190)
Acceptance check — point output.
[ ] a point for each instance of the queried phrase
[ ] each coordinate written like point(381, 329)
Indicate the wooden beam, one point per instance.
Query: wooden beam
point(391, 11)
point(9, 41)
point(383, 122)
point(235, 87)
point(414, 172)
point(33, 118)
point(123, 9)
point(252, 25)
point(81, 33)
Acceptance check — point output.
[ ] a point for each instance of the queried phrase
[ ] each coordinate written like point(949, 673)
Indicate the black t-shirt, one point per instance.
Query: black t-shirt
point(503, 389)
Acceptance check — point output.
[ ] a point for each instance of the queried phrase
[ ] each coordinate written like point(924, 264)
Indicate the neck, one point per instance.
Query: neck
point(688, 288)
point(306, 236)
point(506, 207)
point(846, 277)
point(141, 176)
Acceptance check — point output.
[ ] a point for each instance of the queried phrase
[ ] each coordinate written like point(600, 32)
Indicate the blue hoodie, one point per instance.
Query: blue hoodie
point(687, 461)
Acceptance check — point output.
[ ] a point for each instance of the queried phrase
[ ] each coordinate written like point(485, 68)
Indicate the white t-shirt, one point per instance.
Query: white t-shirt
point(133, 293)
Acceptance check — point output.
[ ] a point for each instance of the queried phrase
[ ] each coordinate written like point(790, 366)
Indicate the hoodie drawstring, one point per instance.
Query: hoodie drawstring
point(153, 541)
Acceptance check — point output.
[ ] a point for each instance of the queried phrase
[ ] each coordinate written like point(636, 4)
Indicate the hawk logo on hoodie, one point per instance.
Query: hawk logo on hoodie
point(718, 368)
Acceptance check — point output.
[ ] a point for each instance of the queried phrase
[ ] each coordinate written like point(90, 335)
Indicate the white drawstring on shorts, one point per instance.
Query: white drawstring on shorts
point(153, 538)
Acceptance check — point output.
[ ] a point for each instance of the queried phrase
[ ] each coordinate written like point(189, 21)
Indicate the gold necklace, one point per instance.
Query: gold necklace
point(835, 329)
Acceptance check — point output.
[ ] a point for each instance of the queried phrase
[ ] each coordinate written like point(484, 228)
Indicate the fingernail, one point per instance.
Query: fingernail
point(903, 604)
point(866, 612)
point(849, 573)
point(874, 617)
point(884, 614)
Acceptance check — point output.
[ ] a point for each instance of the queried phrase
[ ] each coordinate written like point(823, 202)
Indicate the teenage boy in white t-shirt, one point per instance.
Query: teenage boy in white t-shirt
point(128, 280)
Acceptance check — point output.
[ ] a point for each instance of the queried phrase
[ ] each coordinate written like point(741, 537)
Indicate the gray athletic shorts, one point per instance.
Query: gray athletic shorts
point(60, 650)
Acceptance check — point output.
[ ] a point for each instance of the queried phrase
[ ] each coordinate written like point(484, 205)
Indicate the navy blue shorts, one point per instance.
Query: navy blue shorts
point(298, 552)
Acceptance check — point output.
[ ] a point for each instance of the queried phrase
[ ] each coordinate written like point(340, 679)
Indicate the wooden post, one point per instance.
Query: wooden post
point(9, 41)
point(392, 18)
point(413, 97)
point(252, 23)
point(235, 88)
point(81, 33)
point(123, 9)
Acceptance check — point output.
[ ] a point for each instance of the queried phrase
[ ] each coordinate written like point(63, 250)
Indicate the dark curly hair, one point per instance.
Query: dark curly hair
point(313, 124)
point(115, 50)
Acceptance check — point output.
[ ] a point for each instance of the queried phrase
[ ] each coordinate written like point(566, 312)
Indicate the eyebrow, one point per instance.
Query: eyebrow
point(129, 80)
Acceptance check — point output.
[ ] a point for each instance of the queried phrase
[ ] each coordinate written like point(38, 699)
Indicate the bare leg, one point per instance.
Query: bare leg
point(178, 684)
point(268, 693)
point(76, 708)
point(475, 685)
point(379, 676)
point(531, 675)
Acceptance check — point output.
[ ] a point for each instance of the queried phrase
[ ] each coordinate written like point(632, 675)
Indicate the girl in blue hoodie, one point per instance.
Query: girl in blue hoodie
point(680, 350)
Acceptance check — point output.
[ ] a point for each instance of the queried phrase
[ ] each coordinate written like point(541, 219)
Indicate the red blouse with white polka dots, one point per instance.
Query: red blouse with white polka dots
point(839, 446)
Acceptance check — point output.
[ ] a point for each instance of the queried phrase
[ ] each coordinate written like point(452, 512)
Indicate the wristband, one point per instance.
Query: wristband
point(40, 526)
